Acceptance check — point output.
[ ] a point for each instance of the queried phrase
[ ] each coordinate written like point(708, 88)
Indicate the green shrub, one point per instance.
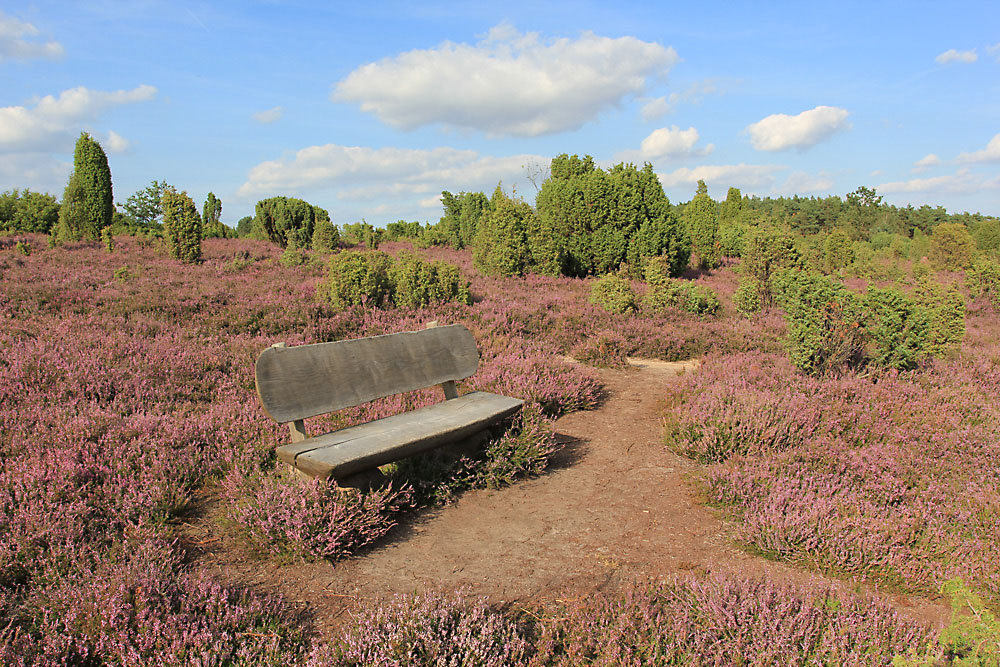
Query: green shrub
point(416, 282)
point(899, 329)
point(358, 278)
point(108, 239)
point(983, 279)
point(680, 295)
point(765, 251)
point(122, 274)
point(501, 242)
point(325, 236)
point(824, 321)
point(838, 250)
point(292, 256)
point(286, 219)
point(181, 226)
point(23, 247)
point(613, 294)
point(702, 222)
point(946, 310)
point(747, 298)
point(952, 247)
point(731, 237)
point(659, 239)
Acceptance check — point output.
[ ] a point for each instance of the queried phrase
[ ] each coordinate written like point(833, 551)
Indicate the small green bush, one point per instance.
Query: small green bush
point(747, 298)
point(108, 239)
point(952, 247)
point(181, 226)
point(358, 278)
point(680, 295)
point(325, 236)
point(417, 283)
point(899, 329)
point(613, 294)
point(983, 279)
point(824, 321)
point(23, 247)
point(838, 250)
point(122, 274)
point(292, 256)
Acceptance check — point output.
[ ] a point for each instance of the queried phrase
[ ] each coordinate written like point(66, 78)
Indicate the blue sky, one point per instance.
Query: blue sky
point(371, 109)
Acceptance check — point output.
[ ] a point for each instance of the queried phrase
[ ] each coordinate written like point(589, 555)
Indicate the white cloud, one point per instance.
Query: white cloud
point(269, 115)
point(745, 175)
point(961, 182)
point(781, 131)
point(52, 120)
point(994, 51)
point(989, 154)
point(14, 46)
point(800, 182)
point(926, 162)
point(660, 106)
point(116, 143)
point(39, 171)
point(953, 56)
point(510, 83)
point(666, 143)
point(363, 173)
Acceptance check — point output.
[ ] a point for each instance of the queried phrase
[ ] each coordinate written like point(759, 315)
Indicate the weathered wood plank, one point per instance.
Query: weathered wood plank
point(308, 380)
point(366, 446)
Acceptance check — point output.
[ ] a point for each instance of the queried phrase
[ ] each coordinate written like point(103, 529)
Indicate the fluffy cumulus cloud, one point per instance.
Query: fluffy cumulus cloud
point(989, 154)
point(926, 162)
point(359, 173)
point(510, 83)
point(955, 56)
point(269, 115)
point(116, 143)
point(739, 175)
point(961, 182)
point(782, 132)
point(17, 41)
point(52, 120)
point(667, 143)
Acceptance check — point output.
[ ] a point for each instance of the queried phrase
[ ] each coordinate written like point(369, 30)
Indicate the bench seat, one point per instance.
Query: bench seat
point(351, 450)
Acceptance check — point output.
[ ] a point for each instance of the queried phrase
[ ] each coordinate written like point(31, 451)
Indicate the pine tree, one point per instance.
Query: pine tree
point(88, 200)
point(181, 226)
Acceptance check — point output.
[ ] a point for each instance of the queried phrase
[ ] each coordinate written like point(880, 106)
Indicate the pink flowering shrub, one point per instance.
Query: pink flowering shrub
point(893, 477)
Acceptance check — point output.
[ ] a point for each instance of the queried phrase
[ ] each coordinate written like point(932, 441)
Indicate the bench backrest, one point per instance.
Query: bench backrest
point(308, 380)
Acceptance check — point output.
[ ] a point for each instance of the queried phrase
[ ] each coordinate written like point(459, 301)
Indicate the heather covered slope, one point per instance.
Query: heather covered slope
point(126, 387)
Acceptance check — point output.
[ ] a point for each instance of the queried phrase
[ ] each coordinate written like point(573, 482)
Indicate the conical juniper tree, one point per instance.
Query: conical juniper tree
point(181, 226)
point(88, 200)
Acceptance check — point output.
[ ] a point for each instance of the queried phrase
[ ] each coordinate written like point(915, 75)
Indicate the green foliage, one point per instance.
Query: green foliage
point(987, 236)
point(292, 256)
point(326, 236)
point(588, 219)
point(285, 220)
point(680, 295)
point(747, 298)
point(824, 322)
point(838, 250)
point(122, 274)
point(403, 230)
point(417, 283)
point(358, 279)
point(613, 294)
point(899, 329)
point(212, 226)
point(983, 279)
point(462, 213)
point(374, 279)
point(23, 247)
point(28, 211)
point(501, 242)
point(971, 639)
point(766, 250)
point(181, 226)
point(244, 226)
point(702, 223)
point(108, 239)
point(88, 201)
point(946, 312)
point(145, 206)
point(731, 237)
point(952, 247)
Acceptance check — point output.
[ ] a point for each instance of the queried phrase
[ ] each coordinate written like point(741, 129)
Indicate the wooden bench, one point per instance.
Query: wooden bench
point(295, 383)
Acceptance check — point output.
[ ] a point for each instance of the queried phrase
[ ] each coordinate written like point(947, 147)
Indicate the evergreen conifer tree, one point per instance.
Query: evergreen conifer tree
point(88, 200)
point(181, 226)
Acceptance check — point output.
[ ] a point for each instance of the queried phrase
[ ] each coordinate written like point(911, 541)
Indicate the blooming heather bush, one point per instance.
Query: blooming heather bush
point(892, 477)
point(725, 621)
point(311, 520)
point(608, 349)
point(430, 629)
